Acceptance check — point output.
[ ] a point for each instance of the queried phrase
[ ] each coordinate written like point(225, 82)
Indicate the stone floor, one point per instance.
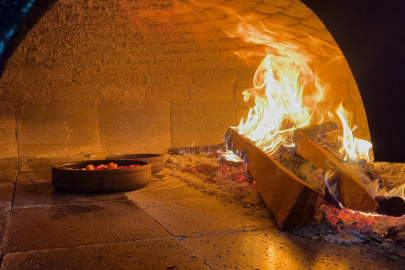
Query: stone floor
point(167, 225)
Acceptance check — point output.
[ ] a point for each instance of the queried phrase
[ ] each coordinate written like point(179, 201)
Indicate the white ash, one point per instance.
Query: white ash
point(389, 234)
point(202, 172)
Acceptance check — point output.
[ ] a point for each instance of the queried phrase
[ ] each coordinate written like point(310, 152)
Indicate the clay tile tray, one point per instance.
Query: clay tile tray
point(114, 180)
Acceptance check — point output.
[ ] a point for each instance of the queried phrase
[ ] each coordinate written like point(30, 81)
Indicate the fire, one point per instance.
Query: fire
point(229, 155)
point(353, 149)
point(278, 87)
point(374, 188)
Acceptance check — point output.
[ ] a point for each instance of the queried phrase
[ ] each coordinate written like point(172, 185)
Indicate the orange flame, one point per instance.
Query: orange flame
point(374, 189)
point(278, 90)
point(353, 149)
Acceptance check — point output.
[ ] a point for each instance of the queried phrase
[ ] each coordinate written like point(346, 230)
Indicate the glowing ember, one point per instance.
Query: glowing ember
point(353, 149)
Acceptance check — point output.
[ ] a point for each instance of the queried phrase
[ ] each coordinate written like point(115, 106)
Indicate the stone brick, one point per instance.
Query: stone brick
point(169, 92)
point(76, 92)
point(125, 92)
point(354, 91)
point(310, 41)
point(282, 33)
point(239, 4)
point(282, 20)
point(200, 64)
point(278, 3)
point(313, 22)
point(108, 76)
point(244, 77)
point(77, 225)
point(211, 92)
point(56, 128)
point(326, 111)
point(238, 96)
point(12, 75)
point(298, 10)
point(336, 91)
point(159, 76)
point(141, 127)
point(204, 35)
point(170, 37)
point(43, 75)
point(267, 8)
point(154, 253)
point(224, 44)
point(335, 69)
point(211, 76)
point(18, 93)
point(212, 13)
point(241, 112)
point(8, 141)
point(301, 29)
point(324, 34)
point(231, 63)
point(252, 15)
point(201, 122)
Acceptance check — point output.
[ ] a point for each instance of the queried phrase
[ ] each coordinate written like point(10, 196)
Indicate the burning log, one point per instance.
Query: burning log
point(292, 201)
point(315, 130)
point(195, 150)
point(350, 191)
point(303, 169)
point(392, 206)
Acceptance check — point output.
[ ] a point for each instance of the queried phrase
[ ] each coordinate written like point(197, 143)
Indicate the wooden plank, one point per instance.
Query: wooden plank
point(350, 191)
point(292, 202)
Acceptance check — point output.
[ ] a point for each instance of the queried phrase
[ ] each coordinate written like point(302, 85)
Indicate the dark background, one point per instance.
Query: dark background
point(370, 33)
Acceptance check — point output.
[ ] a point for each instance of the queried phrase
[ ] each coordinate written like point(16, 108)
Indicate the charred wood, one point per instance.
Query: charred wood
point(391, 206)
point(314, 131)
point(194, 150)
point(303, 169)
point(292, 201)
point(350, 191)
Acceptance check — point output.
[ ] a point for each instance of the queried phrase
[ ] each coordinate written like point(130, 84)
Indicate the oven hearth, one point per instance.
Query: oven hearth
point(292, 184)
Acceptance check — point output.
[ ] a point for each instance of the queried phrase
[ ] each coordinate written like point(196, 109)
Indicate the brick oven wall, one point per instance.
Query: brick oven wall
point(110, 75)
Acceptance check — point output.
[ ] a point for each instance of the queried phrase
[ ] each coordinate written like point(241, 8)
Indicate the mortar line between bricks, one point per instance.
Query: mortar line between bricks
point(67, 204)
point(188, 247)
point(171, 124)
point(89, 245)
point(8, 219)
point(178, 238)
point(156, 221)
point(218, 233)
point(15, 184)
point(16, 131)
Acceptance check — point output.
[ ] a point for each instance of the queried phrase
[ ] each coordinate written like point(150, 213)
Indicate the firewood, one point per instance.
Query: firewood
point(350, 191)
point(391, 206)
point(292, 202)
point(195, 150)
point(304, 169)
point(315, 130)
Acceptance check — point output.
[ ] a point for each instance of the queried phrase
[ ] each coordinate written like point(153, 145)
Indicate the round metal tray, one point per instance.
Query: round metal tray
point(156, 160)
point(124, 179)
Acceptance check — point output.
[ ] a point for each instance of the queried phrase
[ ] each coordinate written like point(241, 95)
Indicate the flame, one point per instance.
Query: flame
point(229, 155)
point(353, 149)
point(374, 189)
point(278, 87)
